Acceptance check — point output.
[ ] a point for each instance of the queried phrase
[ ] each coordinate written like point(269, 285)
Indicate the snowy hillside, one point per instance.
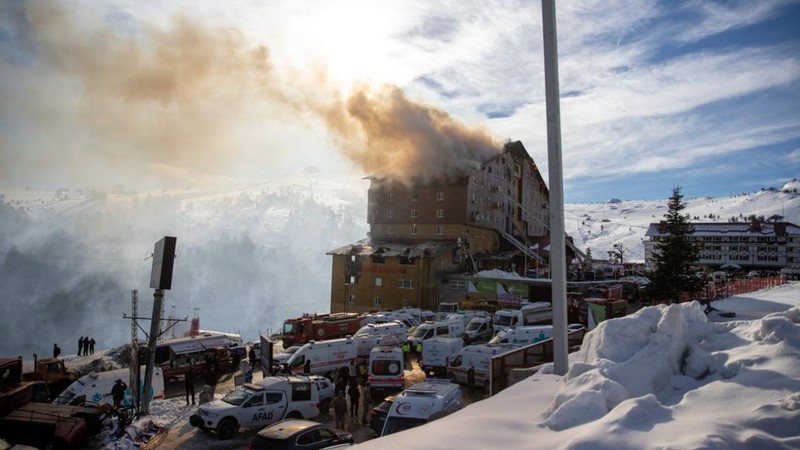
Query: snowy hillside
point(598, 226)
point(249, 253)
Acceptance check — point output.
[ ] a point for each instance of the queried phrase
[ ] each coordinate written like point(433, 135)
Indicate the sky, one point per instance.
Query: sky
point(122, 94)
point(664, 377)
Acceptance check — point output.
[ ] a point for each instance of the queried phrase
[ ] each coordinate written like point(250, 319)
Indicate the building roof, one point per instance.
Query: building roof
point(733, 229)
point(366, 247)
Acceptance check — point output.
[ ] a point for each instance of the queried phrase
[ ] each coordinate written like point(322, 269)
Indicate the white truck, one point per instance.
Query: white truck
point(324, 357)
point(437, 353)
point(422, 403)
point(385, 371)
point(478, 356)
point(479, 330)
point(259, 404)
point(536, 313)
point(427, 330)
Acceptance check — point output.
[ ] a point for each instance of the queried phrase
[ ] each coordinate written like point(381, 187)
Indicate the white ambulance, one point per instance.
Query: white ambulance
point(258, 404)
point(95, 388)
point(437, 353)
point(422, 403)
point(528, 335)
point(479, 330)
point(325, 357)
point(396, 328)
point(478, 356)
point(385, 371)
point(427, 330)
point(536, 313)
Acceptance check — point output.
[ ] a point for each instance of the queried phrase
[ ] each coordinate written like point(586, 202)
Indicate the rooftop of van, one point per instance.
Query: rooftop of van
point(430, 387)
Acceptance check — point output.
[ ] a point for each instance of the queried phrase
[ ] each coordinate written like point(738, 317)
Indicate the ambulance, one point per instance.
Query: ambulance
point(385, 372)
point(437, 353)
point(478, 356)
point(427, 330)
point(326, 357)
point(422, 403)
point(528, 335)
point(95, 388)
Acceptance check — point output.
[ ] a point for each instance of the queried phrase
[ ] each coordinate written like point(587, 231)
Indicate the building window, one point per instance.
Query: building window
point(460, 285)
point(413, 213)
point(406, 284)
point(414, 196)
point(414, 229)
point(389, 197)
point(378, 281)
point(351, 299)
point(439, 213)
point(440, 196)
point(439, 231)
point(389, 214)
point(376, 301)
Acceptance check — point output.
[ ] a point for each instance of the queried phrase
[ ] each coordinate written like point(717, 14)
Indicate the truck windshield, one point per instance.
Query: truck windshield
point(502, 320)
point(288, 328)
point(397, 424)
point(236, 397)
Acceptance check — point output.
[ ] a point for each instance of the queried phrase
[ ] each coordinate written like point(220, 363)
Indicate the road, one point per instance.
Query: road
point(182, 436)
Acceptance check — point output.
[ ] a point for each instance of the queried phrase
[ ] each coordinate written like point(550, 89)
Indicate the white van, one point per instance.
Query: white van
point(395, 328)
point(366, 342)
point(446, 308)
point(427, 330)
point(420, 315)
point(422, 403)
point(95, 388)
point(467, 315)
point(258, 404)
point(478, 356)
point(536, 313)
point(389, 316)
point(478, 330)
point(528, 335)
point(437, 353)
point(326, 357)
point(385, 371)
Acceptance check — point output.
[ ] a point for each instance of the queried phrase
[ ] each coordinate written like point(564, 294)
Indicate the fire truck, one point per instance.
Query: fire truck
point(319, 327)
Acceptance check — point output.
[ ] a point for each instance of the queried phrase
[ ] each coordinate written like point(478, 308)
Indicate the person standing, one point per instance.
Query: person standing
point(355, 397)
point(406, 347)
point(251, 355)
point(85, 346)
point(211, 379)
point(80, 346)
point(237, 358)
point(366, 399)
point(307, 367)
point(118, 392)
point(91, 346)
point(340, 410)
point(471, 380)
point(56, 351)
point(189, 381)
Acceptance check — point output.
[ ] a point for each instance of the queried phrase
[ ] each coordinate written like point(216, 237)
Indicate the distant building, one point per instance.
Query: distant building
point(750, 246)
point(421, 230)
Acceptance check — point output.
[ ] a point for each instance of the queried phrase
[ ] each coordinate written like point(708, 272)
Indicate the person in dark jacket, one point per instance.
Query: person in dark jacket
point(471, 380)
point(307, 367)
point(189, 381)
point(340, 410)
point(56, 351)
point(355, 396)
point(91, 346)
point(80, 346)
point(118, 392)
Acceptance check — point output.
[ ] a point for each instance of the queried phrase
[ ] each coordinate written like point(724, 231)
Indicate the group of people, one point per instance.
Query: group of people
point(357, 389)
point(85, 346)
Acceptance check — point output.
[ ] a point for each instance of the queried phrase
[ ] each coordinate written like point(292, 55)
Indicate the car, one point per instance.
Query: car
point(377, 417)
point(298, 434)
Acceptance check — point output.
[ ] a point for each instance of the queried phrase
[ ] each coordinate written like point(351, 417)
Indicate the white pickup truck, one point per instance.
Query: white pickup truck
point(265, 402)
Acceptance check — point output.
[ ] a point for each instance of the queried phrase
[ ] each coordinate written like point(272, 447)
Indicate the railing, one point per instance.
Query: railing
point(532, 355)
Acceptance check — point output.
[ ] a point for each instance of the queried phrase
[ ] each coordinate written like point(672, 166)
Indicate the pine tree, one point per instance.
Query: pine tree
point(675, 254)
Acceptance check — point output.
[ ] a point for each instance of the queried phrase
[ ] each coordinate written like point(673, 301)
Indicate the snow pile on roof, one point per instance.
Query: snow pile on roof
point(497, 273)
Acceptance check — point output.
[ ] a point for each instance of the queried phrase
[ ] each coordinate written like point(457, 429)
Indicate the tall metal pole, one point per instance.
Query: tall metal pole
point(558, 262)
point(155, 325)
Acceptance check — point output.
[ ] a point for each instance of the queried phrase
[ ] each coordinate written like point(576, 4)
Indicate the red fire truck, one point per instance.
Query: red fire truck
point(319, 327)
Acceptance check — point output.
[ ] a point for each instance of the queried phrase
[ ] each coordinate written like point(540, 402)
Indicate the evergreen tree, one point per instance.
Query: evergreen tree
point(675, 254)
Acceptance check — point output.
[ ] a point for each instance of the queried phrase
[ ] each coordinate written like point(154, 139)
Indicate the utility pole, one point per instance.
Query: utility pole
point(558, 263)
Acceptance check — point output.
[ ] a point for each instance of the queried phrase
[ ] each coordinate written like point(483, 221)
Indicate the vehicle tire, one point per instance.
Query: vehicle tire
point(226, 428)
point(325, 406)
point(294, 415)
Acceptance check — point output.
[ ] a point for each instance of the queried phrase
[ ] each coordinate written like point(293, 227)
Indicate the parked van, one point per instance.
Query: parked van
point(479, 329)
point(95, 388)
point(396, 328)
point(523, 335)
point(422, 403)
point(437, 353)
point(479, 356)
point(536, 313)
point(467, 315)
point(421, 315)
point(427, 330)
point(326, 357)
point(366, 342)
point(385, 371)
point(389, 316)
point(258, 404)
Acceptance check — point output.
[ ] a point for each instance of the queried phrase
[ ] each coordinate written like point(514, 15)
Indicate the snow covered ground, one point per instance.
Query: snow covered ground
point(665, 377)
